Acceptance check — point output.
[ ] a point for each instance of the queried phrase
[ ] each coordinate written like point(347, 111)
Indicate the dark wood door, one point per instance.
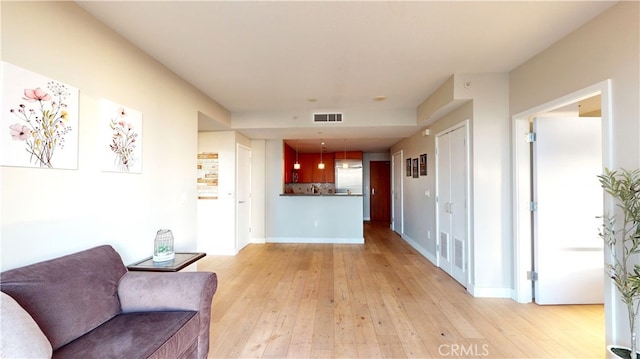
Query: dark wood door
point(380, 192)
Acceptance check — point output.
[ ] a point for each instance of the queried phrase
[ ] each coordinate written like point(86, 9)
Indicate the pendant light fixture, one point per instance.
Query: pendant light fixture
point(296, 166)
point(321, 164)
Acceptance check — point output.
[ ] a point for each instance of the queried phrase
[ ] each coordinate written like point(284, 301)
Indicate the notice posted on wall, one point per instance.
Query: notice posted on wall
point(207, 175)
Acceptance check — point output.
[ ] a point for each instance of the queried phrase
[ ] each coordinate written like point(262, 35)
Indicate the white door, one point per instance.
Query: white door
point(243, 207)
point(443, 185)
point(396, 216)
point(452, 203)
point(458, 206)
point(568, 257)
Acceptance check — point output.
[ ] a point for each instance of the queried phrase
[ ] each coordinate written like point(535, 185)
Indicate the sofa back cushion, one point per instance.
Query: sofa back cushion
point(70, 295)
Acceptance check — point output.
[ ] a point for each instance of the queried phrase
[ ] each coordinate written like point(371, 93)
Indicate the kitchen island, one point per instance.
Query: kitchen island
point(316, 218)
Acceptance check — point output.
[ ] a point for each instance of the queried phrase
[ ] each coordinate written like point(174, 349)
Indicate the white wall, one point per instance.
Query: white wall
point(354, 117)
point(47, 213)
point(608, 47)
point(490, 182)
point(258, 190)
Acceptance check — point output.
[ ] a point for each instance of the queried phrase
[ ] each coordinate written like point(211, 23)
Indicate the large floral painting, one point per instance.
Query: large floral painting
point(121, 138)
point(39, 120)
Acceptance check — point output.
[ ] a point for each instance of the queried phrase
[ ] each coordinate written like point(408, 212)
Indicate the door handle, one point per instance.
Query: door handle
point(448, 207)
point(373, 191)
point(241, 201)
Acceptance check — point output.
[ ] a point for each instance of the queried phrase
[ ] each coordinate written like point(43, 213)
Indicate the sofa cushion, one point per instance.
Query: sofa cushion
point(68, 296)
point(20, 336)
point(147, 291)
point(138, 335)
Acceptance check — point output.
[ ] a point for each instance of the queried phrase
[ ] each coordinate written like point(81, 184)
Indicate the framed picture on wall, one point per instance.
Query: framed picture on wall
point(423, 164)
point(415, 168)
point(121, 138)
point(39, 120)
point(408, 169)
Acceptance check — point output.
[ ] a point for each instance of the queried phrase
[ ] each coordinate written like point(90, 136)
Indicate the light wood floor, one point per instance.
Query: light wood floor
point(380, 299)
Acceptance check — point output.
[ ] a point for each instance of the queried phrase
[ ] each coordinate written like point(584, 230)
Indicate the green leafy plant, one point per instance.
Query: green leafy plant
point(623, 240)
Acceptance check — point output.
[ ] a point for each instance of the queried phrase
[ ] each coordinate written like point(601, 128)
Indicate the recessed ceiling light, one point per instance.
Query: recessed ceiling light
point(379, 98)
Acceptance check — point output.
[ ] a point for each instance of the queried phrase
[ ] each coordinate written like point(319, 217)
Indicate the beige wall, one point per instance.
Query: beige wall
point(46, 213)
point(419, 210)
point(485, 103)
point(606, 48)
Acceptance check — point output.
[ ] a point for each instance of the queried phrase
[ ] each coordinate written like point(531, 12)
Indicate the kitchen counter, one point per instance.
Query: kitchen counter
point(315, 218)
point(320, 195)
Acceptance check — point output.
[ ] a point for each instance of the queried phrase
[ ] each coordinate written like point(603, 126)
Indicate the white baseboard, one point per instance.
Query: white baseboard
point(430, 257)
point(258, 240)
point(316, 240)
point(229, 252)
point(480, 292)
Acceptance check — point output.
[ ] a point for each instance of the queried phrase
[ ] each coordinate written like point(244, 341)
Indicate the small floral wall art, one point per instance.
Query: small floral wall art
point(39, 120)
point(122, 138)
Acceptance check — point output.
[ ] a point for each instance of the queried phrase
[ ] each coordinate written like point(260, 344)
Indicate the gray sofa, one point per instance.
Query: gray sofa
point(87, 305)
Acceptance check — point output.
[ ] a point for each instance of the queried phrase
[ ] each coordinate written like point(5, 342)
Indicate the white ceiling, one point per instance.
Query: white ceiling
point(271, 57)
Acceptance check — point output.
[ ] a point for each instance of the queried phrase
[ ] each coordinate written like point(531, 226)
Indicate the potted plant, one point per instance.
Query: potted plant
point(621, 233)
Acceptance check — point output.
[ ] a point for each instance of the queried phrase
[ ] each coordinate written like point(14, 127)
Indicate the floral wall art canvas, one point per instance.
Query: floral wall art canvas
point(39, 120)
point(121, 143)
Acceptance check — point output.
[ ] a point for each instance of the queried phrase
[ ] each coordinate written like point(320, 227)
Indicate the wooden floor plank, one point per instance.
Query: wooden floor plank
point(378, 300)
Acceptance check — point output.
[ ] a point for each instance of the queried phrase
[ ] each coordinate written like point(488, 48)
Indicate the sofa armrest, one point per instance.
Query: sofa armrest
point(148, 291)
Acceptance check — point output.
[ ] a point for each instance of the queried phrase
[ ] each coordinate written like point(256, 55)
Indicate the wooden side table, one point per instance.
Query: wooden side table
point(182, 260)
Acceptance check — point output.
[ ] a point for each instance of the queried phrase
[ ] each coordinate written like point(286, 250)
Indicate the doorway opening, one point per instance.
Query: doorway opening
point(380, 193)
point(243, 196)
point(523, 205)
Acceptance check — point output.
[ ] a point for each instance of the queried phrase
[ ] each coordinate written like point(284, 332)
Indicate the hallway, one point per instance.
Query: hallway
point(380, 299)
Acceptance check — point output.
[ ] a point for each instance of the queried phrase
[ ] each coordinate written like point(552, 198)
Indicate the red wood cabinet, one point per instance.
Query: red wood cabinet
point(351, 155)
point(289, 160)
point(305, 173)
point(309, 171)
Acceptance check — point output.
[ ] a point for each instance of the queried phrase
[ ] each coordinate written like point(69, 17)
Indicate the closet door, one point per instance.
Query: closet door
point(458, 206)
point(452, 203)
point(443, 201)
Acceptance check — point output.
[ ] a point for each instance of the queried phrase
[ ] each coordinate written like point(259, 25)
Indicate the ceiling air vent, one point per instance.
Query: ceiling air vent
point(327, 117)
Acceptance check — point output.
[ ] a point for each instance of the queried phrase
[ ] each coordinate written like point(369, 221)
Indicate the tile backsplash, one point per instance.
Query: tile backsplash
point(310, 188)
